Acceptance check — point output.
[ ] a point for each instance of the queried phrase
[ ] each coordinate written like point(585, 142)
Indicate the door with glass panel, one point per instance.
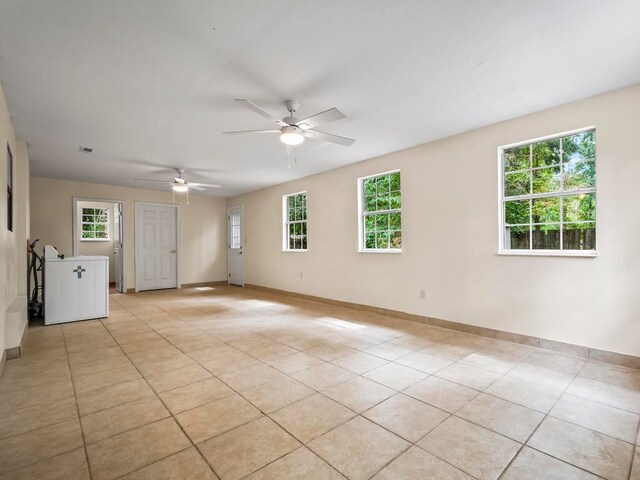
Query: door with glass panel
point(235, 243)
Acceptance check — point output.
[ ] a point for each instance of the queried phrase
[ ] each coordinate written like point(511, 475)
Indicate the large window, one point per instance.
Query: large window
point(380, 213)
point(549, 195)
point(95, 224)
point(9, 189)
point(295, 222)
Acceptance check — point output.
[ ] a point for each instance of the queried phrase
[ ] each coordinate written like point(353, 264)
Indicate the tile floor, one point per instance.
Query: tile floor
point(232, 383)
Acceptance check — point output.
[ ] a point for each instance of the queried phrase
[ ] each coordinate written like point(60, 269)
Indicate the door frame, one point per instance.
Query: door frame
point(74, 229)
point(242, 237)
point(135, 241)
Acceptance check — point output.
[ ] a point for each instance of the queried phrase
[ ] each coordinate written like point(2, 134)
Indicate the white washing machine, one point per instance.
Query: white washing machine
point(75, 288)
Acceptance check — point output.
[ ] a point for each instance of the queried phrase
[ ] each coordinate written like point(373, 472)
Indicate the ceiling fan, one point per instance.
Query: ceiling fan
point(294, 130)
point(179, 184)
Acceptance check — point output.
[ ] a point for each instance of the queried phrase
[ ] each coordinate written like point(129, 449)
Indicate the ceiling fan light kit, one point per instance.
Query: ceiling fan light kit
point(180, 185)
point(293, 130)
point(292, 135)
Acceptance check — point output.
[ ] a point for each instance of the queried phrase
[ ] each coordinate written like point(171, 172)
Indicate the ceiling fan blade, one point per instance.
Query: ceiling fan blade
point(239, 132)
point(206, 185)
point(260, 111)
point(154, 181)
point(319, 118)
point(195, 187)
point(327, 137)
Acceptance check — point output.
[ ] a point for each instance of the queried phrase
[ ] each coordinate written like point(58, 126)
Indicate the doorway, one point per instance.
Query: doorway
point(235, 235)
point(156, 239)
point(98, 229)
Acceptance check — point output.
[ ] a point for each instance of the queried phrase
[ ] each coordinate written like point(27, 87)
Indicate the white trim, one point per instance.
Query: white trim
point(74, 227)
point(135, 245)
point(532, 196)
point(286, 222)
point(362, 213)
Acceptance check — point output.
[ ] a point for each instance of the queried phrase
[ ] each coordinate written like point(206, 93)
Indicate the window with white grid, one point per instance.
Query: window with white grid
point(548, 202)
point(380, 206)
point(95, 224)
point(295, 222)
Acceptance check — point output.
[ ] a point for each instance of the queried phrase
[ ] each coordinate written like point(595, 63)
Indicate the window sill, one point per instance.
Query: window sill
point(381, 250)
point(95, 239)
point(550, 253)
point(295, 250)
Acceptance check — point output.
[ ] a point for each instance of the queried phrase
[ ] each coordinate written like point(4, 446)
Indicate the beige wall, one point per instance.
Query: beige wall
point(450, 219)
point(202, 224)
point(13, 268)
point(104, 248)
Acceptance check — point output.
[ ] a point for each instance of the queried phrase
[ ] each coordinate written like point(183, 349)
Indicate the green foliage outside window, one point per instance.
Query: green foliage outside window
point(95, 223)
point(381, 205)
point(549, 190)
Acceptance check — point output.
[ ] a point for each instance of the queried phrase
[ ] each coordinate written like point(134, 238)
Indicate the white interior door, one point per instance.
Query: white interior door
point(117, 246)
point(235, 232)
point(156, 246)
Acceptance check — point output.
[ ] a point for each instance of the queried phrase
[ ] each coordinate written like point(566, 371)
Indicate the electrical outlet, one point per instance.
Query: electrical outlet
point(301, 275)
point(423, 294)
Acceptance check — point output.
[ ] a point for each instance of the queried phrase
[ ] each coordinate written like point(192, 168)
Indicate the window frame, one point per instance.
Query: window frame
point(286, 222)
point(107, 223)
point(361, 214)
point(561, 193)
point(10, 174)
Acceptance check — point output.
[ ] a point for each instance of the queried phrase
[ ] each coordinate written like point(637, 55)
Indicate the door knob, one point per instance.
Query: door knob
point(173, 251)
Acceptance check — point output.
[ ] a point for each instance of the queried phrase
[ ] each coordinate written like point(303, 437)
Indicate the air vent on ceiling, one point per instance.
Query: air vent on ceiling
point(86, 149)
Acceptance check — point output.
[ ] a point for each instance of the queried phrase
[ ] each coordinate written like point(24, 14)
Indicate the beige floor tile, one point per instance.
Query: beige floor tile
point(449, 350)
point(407, 417)
point(617, 396)
point(38, 416)
point(276, 394)
point(468, 375)
point(395, 376)
point(443, 394)
point(491, 361)
point(195, 394)
point(67, 466)
point(108, 397)
point(425, 362)
point(477, 451)
point(217, 417)
point(388, 351)
point(46, 393)
point(359, 362)
point(613, 374)
point(12, 381)
point(416, 464)
point(328, 351)
point(524, 393)
point(359, 448)
point(178, 378)
point(230, 362)
point(186, 465)
point(245, 449)
point(592, 451)
point(250, 377)
point(38, 445)
point(323, 376)
point(115, 420)
point(270, 351)
point(533, 465)
point(107, 378)
point(635, 469)
point(100, 365)
point(141, 345)
point(596, 416)
point(311, 417)
point(295, 362)
point(359, 393)
point(129, 451)
point(301, 464)
point(509, 419)
point(542, 376)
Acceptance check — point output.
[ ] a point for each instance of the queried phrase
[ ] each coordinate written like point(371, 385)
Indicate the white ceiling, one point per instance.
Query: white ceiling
point(150, 84)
